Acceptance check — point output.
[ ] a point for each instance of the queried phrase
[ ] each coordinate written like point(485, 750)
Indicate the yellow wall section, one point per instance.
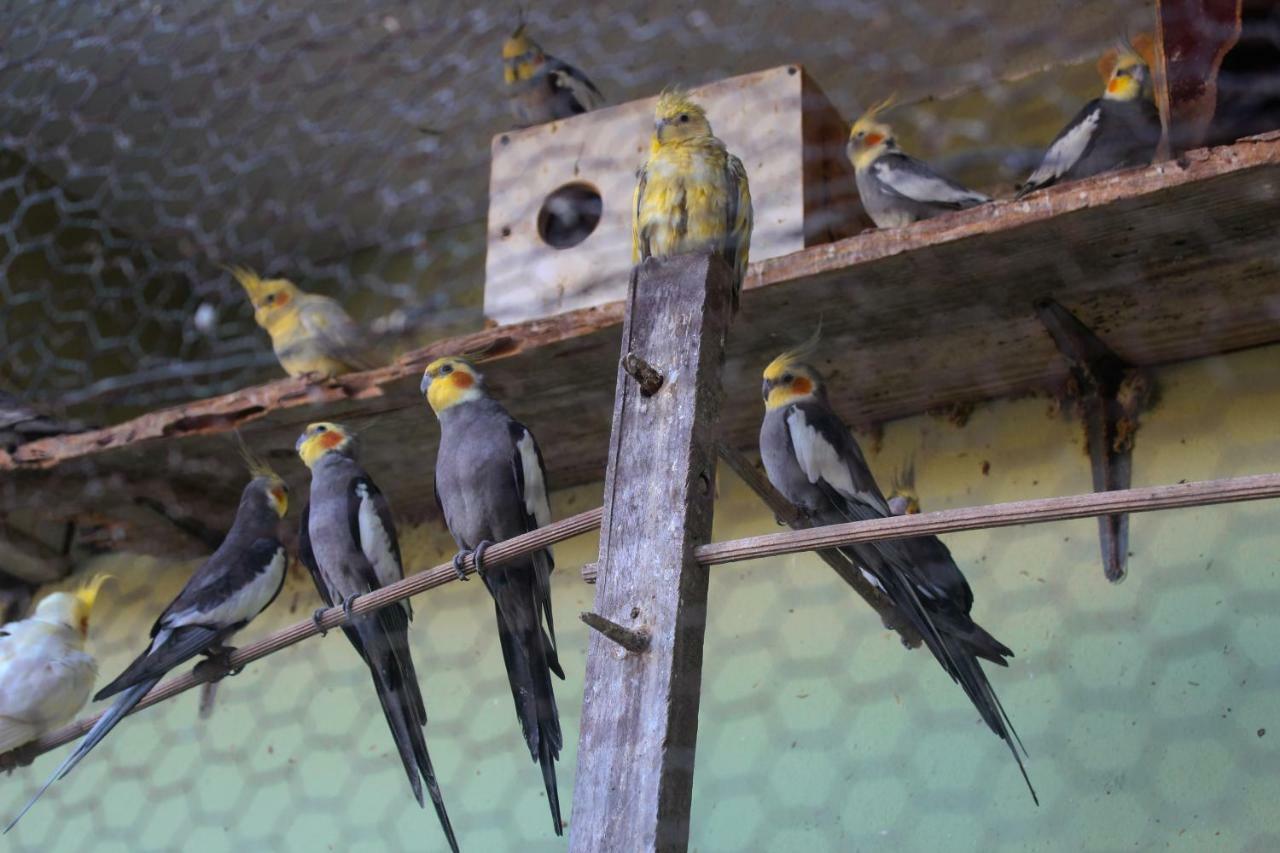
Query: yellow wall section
point(1143, 705)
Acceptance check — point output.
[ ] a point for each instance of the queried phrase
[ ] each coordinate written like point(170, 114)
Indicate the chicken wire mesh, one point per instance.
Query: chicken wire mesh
point(345, 145)
point(1150, 709)
point(144, 146)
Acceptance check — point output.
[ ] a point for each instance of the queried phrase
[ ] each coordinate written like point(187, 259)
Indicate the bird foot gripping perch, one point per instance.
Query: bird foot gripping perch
point(476, 554)
point(317, 616)
point(217, 664)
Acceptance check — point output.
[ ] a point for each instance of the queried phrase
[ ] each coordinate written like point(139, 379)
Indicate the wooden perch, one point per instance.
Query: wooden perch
point(848, 572)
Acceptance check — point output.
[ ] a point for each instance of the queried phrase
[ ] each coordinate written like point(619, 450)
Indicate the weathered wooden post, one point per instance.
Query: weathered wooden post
point(640, 712)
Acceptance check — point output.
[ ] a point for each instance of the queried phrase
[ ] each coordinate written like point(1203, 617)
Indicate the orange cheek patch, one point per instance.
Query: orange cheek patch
point(330, 440)
point(1113, 86)
point(874, 138)
point(282, 299)
point(463, 380)
point(802, 386)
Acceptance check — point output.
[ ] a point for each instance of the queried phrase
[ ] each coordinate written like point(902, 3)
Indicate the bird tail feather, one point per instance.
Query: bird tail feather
point(397, 687)
point(123, 705)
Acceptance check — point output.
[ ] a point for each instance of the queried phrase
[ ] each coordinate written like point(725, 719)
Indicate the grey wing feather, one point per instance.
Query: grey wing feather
point(566, 76)
point(1068, 148)
point(912, 179)
point(326, 322)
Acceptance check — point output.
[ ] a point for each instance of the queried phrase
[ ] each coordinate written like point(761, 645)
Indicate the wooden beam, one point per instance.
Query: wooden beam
point(639, 722)
point(1193, 36)
point(1174, 261)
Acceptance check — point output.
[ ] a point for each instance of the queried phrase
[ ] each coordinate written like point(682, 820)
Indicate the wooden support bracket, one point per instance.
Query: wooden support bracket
point(1110, 394)
point(640, 711)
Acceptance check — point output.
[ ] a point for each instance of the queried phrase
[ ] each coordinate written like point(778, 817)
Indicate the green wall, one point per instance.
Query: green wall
point(1151, 709)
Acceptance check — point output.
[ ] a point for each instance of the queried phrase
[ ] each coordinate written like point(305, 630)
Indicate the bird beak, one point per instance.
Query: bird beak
point(426, 383)
point(766, 388)
point(302, 439)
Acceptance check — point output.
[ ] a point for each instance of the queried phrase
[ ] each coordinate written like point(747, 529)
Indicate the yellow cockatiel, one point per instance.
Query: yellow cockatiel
point(45, 674)
point(692, 194)
point(311, 334)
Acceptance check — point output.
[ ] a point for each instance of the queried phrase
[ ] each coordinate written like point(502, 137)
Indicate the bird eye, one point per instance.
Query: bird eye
point(684, 118)
point(271, 297)
point(321, 428)
point(445, 370)
point(787, 378)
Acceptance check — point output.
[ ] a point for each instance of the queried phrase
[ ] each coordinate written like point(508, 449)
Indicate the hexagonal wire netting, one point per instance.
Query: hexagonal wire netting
point(144, 146)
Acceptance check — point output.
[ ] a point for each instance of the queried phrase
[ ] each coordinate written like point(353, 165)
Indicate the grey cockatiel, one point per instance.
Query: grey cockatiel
point(540, 87)
point(236, 583)
point(813, 460)
point(348, 541)
point(897, 189)
point(1118, 130)
point(491, 486)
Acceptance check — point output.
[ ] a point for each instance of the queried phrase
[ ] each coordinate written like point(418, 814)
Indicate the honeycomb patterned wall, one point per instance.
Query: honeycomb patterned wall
point(1151, 709)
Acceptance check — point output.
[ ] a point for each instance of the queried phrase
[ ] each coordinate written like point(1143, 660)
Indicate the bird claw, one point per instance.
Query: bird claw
point(217, 664)
point(316, 618)
point(477, 554)
point(346, 606)
point(458, 559)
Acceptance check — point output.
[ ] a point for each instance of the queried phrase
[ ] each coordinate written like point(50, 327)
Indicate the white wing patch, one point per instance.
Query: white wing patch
point(244, 604)
point(584, 94)
point(820, 461)
point(375, 541)
point(1068, 150)
point(872, 579)
point(817, 458)
point(923, 186)
point(535, 490)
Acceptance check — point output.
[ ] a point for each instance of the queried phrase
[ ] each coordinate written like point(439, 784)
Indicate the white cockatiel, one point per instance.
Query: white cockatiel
point(46, 676)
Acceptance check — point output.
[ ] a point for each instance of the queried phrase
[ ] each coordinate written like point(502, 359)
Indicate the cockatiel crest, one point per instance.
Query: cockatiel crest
point(677, 117)
point(269, 297)
point(1130, 73)
point(868, 137)
point(73, 608)
point(789, 377)
point(259, 469)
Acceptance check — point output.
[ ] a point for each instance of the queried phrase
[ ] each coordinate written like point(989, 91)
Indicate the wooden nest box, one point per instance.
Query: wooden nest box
point(559, 235)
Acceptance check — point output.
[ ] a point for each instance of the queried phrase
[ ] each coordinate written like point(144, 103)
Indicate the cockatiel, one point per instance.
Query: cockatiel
point(491, 486)
point(45, 674)
point(692, 195)
point(347, 539)
point(813, 460)
point(897, 189)
point(312, 335)
point(1118, 130)
point(540, 87)
point(238, 581)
